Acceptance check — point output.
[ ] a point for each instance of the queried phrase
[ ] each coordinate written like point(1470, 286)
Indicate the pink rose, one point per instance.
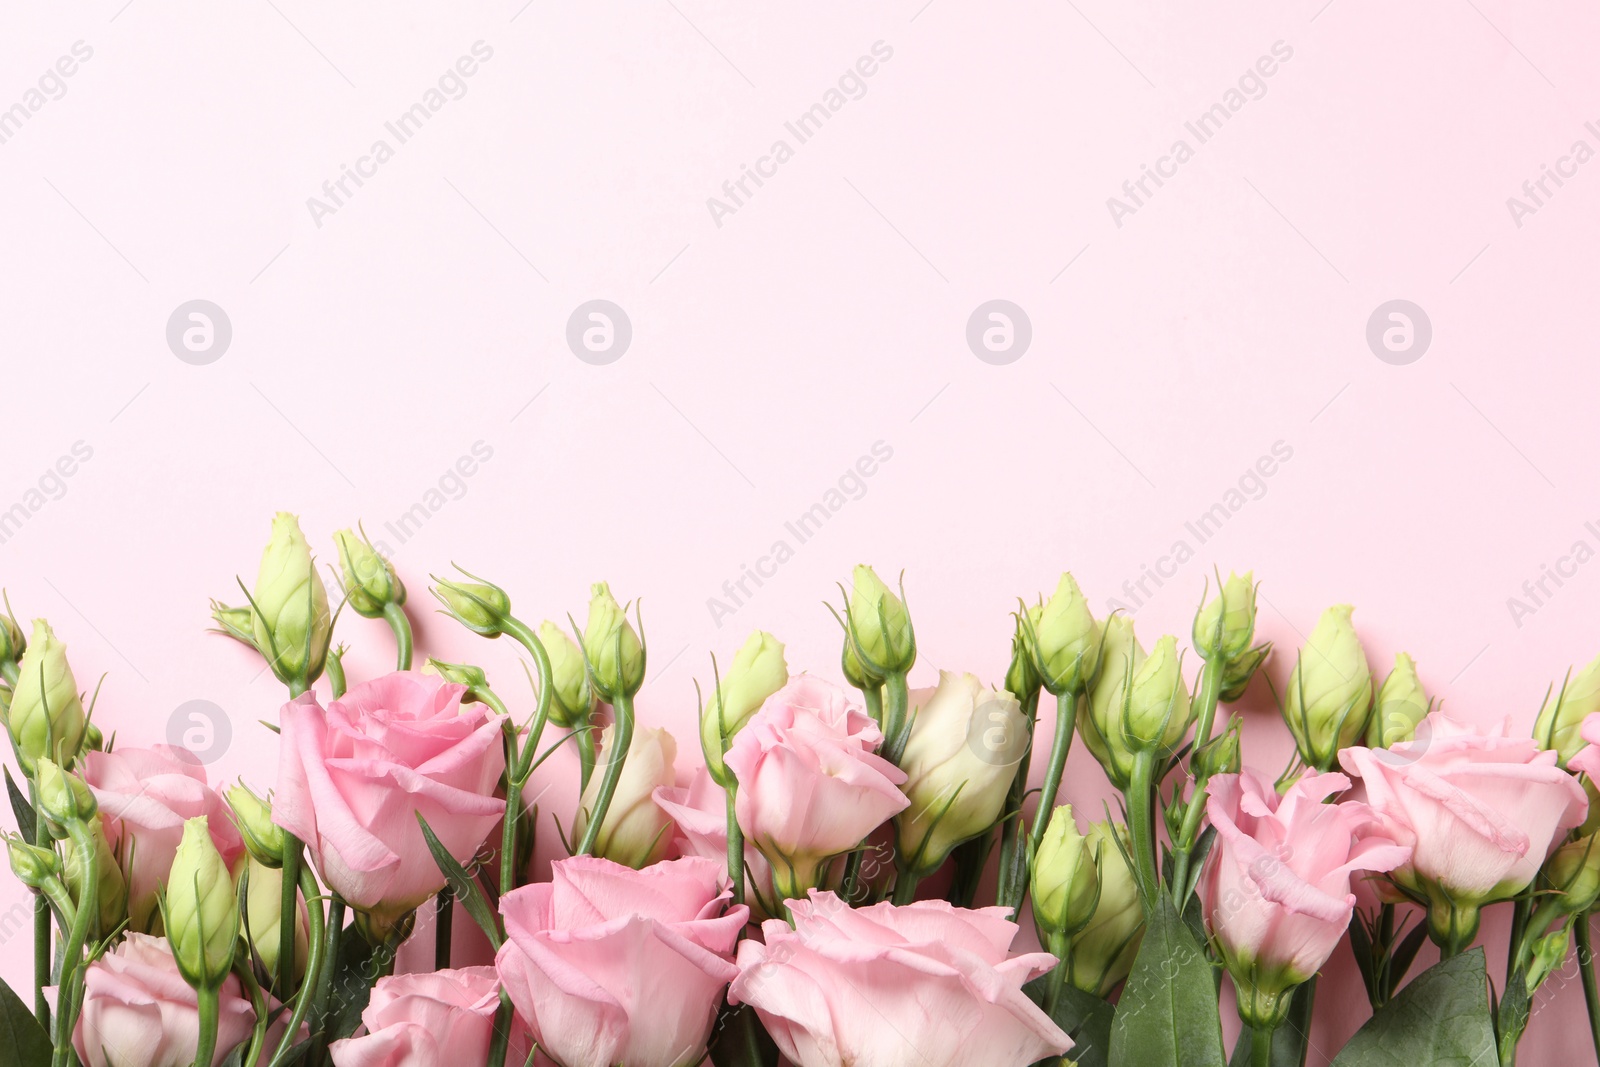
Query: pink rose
point(810, 785)
point(1276, 892)
point(609, 965)
point(701, 815)
point(353, 778)
point(145, 795)
point(926, 983)
point(1484, 810)
point(427, 1020)
point(139, 1012)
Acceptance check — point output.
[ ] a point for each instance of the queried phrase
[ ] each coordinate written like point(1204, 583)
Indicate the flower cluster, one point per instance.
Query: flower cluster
point(814, 887)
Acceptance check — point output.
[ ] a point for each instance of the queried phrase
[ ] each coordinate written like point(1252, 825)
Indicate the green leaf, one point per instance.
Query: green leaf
point(465, 886)
point(355, 972)
point(1167, 1016)
point(1086, 1019)
point(1290, 1041)
point(27, 821)
point(236, 1057)
point(740, 1040)
point(1440, 1019)
point(22, 1042)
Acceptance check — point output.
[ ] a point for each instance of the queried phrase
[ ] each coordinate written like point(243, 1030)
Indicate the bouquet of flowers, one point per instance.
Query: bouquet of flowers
point(775, 905)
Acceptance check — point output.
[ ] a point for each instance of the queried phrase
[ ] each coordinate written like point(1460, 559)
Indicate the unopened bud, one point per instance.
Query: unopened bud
point(370, 583)
point(479, 606)
point(253, 816)
point(880, 626)
point(616, 656)
point(202, 921)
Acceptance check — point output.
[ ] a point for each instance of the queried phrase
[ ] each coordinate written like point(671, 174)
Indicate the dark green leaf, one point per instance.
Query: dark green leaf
point(1361, 948)
point(466, 888)
point(1400, 962)
point(1167, 1016)
point(27, 821)
point(740, 1040)
point(236, 1057)
point(1086, 1019)
point(22, 1042)
point(354, 973)
point(1289, 1041)
point(1440, 1019)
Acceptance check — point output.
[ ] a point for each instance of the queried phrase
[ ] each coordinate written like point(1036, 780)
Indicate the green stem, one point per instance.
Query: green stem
point(1591, 991)
point(258, 1004)
point(896, 718)
point(72, 954)
point(1013, 877)
point(621, 739)
point(205, 1051)
point(284, 985)
point(41, 918)
point(508, 831)
point(324, 978)
point(735, 846)
point(501, 1038)
point(444, 909)
point(395, 616)
point(873, 699)
point(905, 888)
point(1056, 984)
point(1066, 718)
point(1141, 823)
point(1260, 1047)
point(313, 988)
point(541, 663)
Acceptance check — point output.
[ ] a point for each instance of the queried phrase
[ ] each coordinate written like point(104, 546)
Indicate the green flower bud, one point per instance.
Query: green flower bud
point(1103, 951)
point(1573, 871)
point(616, 657)
point(572, 702)
point(93, 739)
point(960, 759)
point(460, 674)
point(1220, 755)
point(33, 866)
point(1021, 678)
point(880, 626)
point(1157, 714)
point(200, 915)
point(1066, 641)
point(1329, 696)
point(1562, 714)
point(758, 671)
point(46, 715)
point(1100, 715)
point(854, 672)
point(1400, 705)
point(370, 583)
point(1064, 877)
point(64, 798)
point(1549, 953)
point(263, 915)
point(253, 816)
point(291, 625)
point(237, 623)
point(12, 644)
point(1237, 674)
point(111, 896)
point(1225, 625)
point(479, 606)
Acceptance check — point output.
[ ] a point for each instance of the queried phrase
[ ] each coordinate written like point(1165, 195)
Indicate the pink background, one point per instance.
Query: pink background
point(827, 313)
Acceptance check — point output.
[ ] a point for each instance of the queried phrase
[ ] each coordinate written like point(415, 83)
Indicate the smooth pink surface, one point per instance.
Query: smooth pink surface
point(828, 313)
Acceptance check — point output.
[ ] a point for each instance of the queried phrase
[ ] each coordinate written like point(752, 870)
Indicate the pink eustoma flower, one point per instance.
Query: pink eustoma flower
point(700, 812)
point(1276, 892)
point(353, 777)
point(436, 1019)
point(1482, 812)
point(925, 983)
point(146, 795)
point(810, 785)
point(608, 965)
